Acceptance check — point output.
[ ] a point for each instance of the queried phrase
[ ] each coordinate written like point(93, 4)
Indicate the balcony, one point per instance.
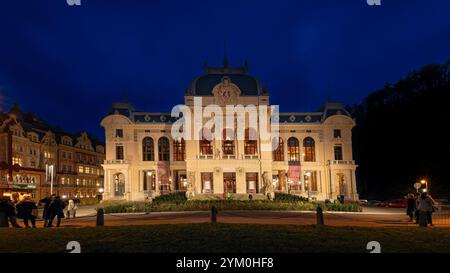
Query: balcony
point(116, 161)
point(250, 157)
point(205, 156)
point(341, 162)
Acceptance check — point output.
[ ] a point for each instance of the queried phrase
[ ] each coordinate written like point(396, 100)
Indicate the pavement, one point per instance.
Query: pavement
point(370, 217)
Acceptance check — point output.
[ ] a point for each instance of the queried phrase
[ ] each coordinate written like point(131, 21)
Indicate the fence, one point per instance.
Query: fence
point(441, 215)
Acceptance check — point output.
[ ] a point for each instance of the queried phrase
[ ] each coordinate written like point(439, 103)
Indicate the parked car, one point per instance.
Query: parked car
point(395, 203)
point(373, 203)
point(363, 202)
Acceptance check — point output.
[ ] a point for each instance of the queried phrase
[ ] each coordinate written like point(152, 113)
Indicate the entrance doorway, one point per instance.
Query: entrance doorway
point(229, 182)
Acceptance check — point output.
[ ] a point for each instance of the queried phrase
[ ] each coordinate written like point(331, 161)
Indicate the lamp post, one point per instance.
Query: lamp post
point(424, 182)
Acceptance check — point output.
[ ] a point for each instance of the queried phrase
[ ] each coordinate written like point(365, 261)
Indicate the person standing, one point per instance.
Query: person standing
point(25, 211)
point(56, 209)
point(10, 212)
point(71, 209)
point(45, 214)
point(426, 206)
point(411, 206)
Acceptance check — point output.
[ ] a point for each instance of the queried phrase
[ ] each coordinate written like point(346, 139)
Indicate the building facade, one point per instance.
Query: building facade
point(312, 154)
point(37, 160)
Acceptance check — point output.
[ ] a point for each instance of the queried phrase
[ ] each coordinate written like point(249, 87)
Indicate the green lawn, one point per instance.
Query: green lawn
point(221, 238)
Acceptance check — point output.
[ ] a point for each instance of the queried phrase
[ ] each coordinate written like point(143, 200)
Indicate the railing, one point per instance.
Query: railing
point(228, 157)
point(341, 162)
point(250, 156)
point(116, 161)
point(205, 157)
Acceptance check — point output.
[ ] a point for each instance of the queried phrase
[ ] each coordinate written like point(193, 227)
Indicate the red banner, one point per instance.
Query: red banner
point(294, 174)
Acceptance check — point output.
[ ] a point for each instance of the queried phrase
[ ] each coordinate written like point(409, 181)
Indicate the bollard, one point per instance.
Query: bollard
point(423, 221)
point(3, 220)
point(100, 217)
point(213, 214)
point(319, 216)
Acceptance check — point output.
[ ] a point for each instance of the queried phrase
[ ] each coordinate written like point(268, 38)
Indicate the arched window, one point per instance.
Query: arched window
point(148, 149)
point(250, 143)
point(309, 149)
point(205, 142)
point(228, 142)
point(278, 149)
point(178, 150)
point(293, 149)
point(163, 149)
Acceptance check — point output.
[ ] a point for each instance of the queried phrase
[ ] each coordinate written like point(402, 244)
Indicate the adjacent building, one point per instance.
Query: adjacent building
point(37, 159)
point(313, 157)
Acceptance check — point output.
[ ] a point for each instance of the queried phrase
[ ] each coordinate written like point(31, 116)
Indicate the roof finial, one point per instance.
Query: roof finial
point(225, 57)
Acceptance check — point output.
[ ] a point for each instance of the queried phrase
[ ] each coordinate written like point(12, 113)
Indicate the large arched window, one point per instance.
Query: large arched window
point(250, 143)
point(309, 149)
point(148, 149)
point(293, 149)
point(278, 149)
point(163, 149)
point(205, 142)
point(178, 150)
point(228, 142)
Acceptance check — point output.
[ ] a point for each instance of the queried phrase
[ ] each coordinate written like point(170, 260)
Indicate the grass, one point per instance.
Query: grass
point(223, 238)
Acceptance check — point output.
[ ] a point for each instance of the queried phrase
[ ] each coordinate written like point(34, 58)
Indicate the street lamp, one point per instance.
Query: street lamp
point(424, 182)
point(307, 176)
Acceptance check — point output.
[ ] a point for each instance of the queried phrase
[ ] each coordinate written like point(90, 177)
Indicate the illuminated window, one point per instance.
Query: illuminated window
point(178, 150)
point(80, 169)
point(293, 149)
point(148, 149)
point(17, 160)
point(205, 142)
point(163, 149)
point(250, 143)
point(228, 142)
point(309, 147)
point(278, 153)
point(311, 180)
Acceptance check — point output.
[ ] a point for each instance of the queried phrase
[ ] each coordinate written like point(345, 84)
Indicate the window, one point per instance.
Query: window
point(163, 149)
point(309, 147)
point(338, 152)
point(337, 133)
point(178, 150)
point(293, 149)
point(80, 169)
point(119, 133)
point(149, 182)
point(228, 142)
point(148, 149)
point(119, 152)
point(205, 142)
point(250, 144)
point(278, 149)
point(311, 181)
point(17, 160)
point(252, 182)
point(207, 182)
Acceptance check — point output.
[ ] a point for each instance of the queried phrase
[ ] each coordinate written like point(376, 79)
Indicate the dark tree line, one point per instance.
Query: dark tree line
point(402, 135)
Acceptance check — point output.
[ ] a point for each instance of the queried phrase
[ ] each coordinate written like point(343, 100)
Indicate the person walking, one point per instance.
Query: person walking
point(71, 209)
point(45, 214)
point(411, 206)
point(25, 211)
point(56, 209)
point(10, 211)
point(426, 207)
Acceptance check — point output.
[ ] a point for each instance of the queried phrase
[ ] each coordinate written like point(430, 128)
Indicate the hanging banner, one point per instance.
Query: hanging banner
point(294, 173)
point(163, 173)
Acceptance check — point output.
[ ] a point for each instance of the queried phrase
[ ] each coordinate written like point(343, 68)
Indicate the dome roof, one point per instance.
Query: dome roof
point(203, 85)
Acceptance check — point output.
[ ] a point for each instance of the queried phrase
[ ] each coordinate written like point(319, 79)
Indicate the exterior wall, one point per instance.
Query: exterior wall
point(328, 170)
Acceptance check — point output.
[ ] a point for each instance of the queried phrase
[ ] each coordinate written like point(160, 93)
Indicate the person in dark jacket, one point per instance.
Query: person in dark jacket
point(411, 206)
point(56, 209)
point(25, 211)
point(10, 211)
point(45, 214)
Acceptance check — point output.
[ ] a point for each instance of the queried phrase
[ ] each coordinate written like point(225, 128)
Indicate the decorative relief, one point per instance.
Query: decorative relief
point(226, 92)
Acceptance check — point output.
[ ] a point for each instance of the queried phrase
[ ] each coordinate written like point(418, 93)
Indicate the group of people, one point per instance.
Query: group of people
point(27, 210)
point(420, 206)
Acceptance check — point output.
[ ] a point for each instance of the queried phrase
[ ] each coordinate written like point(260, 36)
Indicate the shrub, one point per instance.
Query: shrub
point(285, 197)
point(174, 197)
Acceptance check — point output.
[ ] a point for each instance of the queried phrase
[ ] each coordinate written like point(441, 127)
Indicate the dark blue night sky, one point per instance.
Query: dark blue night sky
point(68, 64)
